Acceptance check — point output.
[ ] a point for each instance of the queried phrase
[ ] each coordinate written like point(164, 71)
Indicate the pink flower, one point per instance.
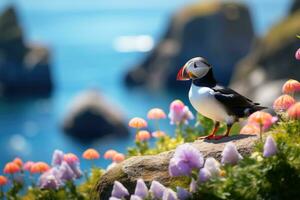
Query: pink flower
point(158, 134)
point(291, 86)
point(142, 136)
point(261, 119)
point(283, 102)
point(18, 161)
point(91, 154)
point(118, 157)
point(109, 154)
point(71, 158)
point(294, 111)
point(137, 123)
point(11, 168)
point(297, 54)
point(27, 166)
point(3, 180)
point(156, 113)
point(250, 129)
point(39, 167)
point(179, 113)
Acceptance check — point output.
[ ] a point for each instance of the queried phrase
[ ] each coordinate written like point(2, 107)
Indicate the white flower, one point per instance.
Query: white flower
point(230, 155)
point(213, 166)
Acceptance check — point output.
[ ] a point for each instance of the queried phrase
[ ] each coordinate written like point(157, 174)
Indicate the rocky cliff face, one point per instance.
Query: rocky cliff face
point(271, 62)
point(221, 32)
point(92, 116)
point(155, 167)
point(24, 69)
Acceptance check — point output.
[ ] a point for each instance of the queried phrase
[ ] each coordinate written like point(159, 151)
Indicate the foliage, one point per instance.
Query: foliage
point(273, 174)
point(255, 177)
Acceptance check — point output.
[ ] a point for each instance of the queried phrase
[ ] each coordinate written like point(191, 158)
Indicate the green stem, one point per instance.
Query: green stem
point(31, 180)
point(179, 131)
point(86, 176)
point(260, 132)
point(1, 193)
point(157, 124)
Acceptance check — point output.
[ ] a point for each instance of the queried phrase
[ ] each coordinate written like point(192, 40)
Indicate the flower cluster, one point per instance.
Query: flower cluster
point(258, 122)
point(65, 167)
point(286, 105)
point(188, 161)
point(179, 113)
point(141, 192)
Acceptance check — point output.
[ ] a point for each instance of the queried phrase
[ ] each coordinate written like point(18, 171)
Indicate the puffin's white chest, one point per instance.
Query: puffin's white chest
point(203, 100)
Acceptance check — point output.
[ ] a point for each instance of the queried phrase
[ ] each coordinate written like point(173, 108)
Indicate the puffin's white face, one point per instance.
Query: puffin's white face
point(194, 69)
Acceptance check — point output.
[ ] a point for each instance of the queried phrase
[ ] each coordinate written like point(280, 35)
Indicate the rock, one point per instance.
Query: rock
point(24, 69)
point(155, 167)
point(295, 6)
point(91, 116)
point(220, 31)
point(270, 63)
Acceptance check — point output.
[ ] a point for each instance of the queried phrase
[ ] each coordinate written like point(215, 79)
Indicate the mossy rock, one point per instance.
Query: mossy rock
point(155, 167)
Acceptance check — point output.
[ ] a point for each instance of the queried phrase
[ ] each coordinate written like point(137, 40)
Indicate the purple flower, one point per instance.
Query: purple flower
point(230, 155)
point(114, 198)
point(50, 180)
point(65, 172)
point(185, 159)
point(57, 157)
point(119, 190)
point(193, 186)
point(179, 113)
point(76, 170)
point(135, 197)
point(182, 193)
point(157, 190)
point(141, 189)
point(213, 166)
point(204, 175)
point(173, 169)
point(169, 194)
point(270, 147)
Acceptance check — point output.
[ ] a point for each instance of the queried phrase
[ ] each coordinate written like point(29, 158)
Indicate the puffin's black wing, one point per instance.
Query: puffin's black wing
point(235, 103)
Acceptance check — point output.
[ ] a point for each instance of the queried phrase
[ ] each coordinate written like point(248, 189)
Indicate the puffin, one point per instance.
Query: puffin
point(214, 101)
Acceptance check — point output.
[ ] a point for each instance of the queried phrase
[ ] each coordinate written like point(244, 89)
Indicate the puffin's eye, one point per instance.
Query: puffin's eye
point(195, 65)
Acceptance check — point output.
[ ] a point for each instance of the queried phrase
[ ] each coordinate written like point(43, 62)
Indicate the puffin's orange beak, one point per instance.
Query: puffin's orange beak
point(183, 75)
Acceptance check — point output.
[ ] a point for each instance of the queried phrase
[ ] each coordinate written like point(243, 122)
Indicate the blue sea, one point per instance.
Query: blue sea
point(91, 47)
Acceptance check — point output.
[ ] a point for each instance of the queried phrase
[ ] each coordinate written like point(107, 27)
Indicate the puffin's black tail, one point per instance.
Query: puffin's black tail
point(254, 108)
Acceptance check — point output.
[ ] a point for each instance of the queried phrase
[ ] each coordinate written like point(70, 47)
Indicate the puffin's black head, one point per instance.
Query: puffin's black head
point(195, 68)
